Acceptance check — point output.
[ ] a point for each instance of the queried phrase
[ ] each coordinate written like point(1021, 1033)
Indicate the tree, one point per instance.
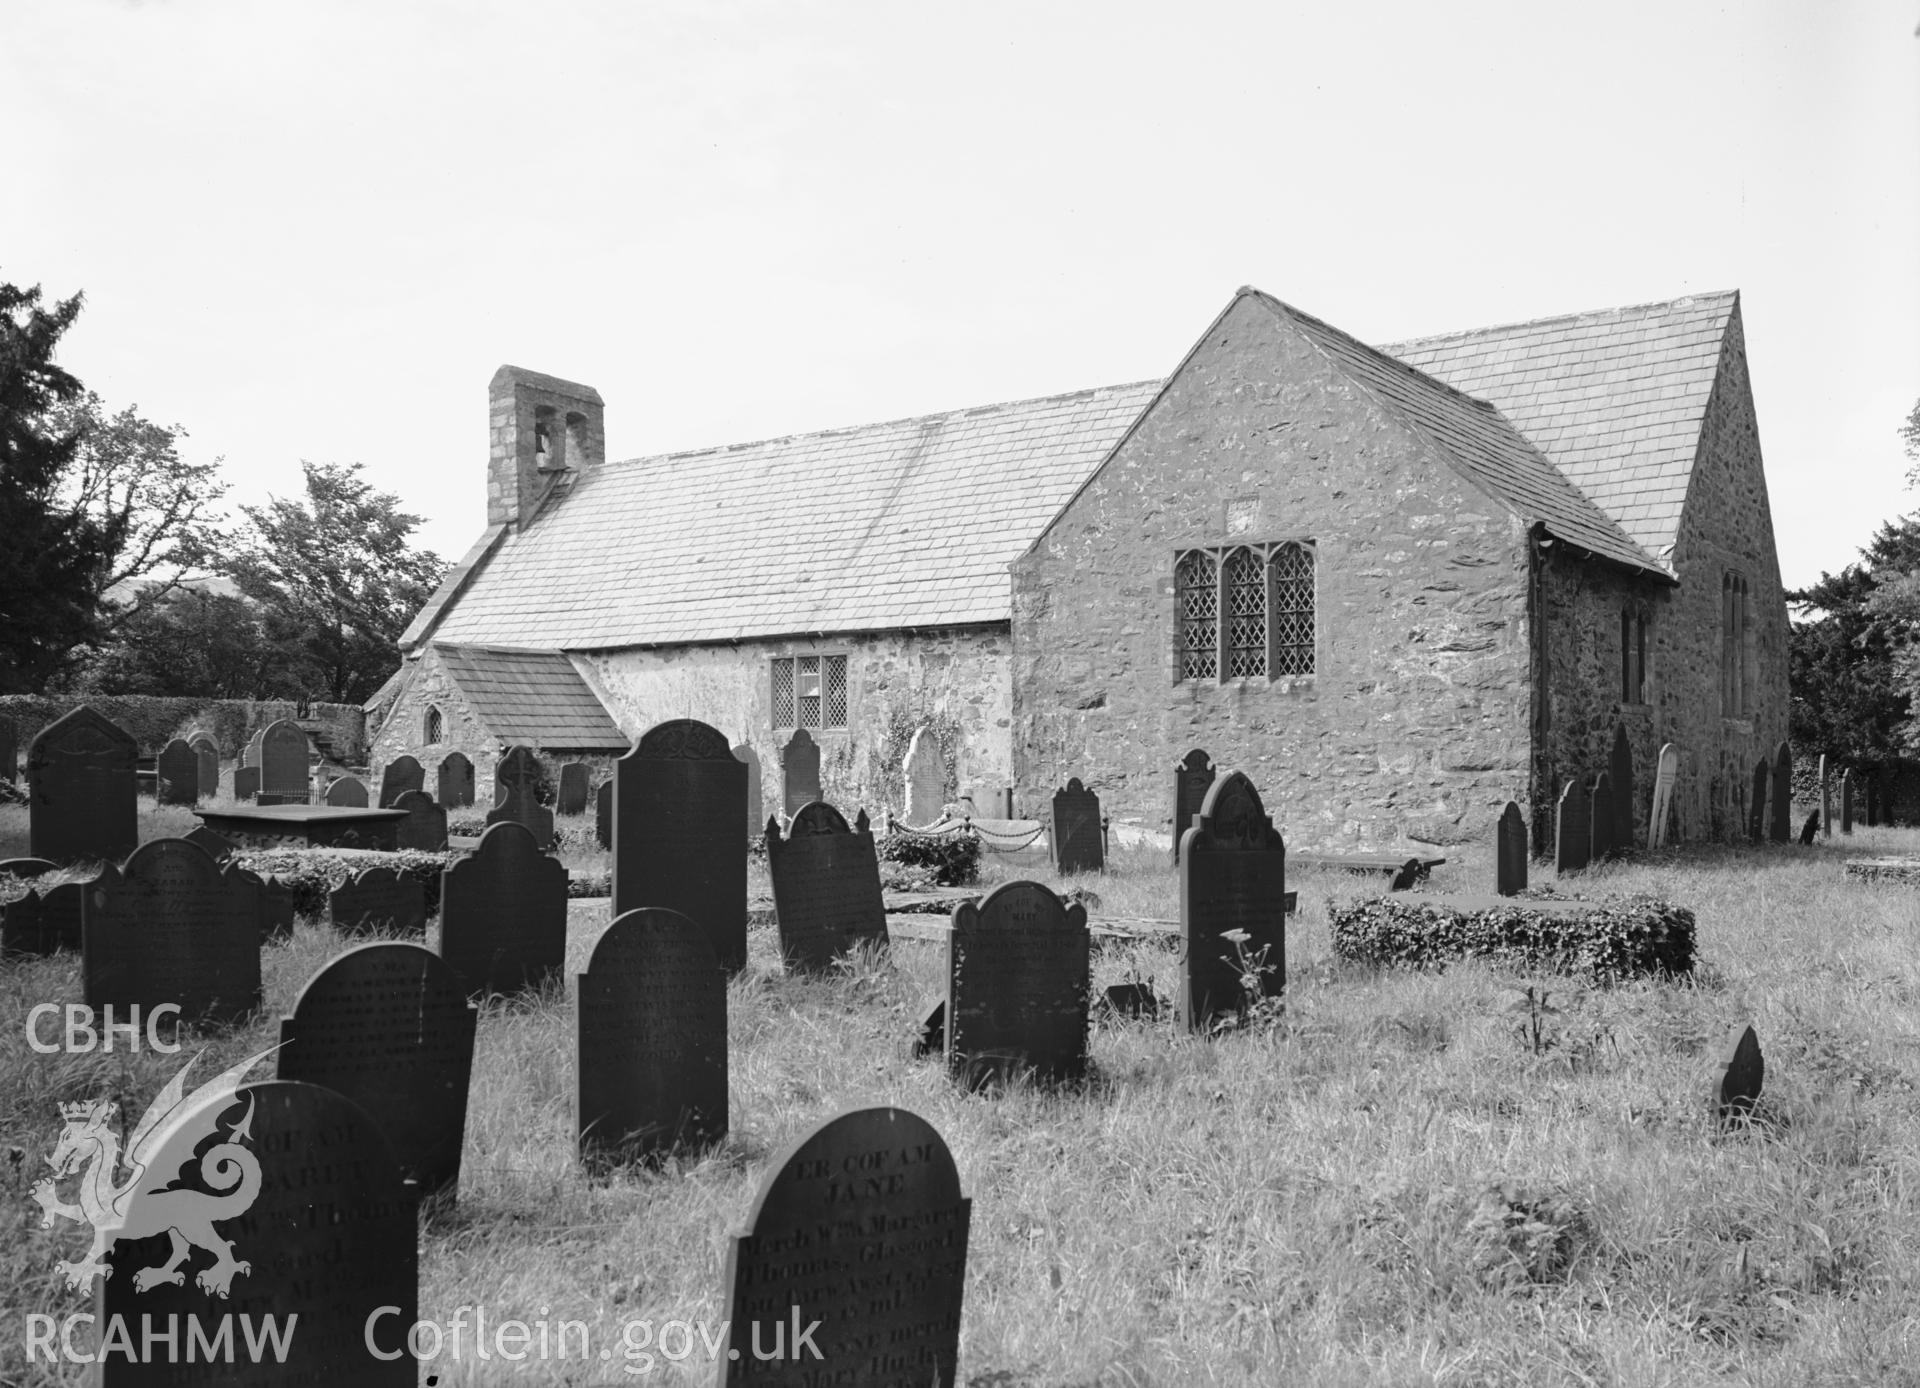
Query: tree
point(1910, 440)
point(194, 643)
point(1850, 697)
point(334, 580)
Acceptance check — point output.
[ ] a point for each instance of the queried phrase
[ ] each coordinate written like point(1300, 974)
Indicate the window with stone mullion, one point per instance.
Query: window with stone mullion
point(1197, 616)
point(1244, 590)
point(1291, 603)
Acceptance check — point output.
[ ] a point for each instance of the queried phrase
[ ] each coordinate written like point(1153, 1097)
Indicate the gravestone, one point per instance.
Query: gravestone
point(503, 913)
point(1846, 801)
point(399, 776)
point(1078, 843)
point(1511, 873)
point(284, 769)
point(385, 1024)
point(1233, 879)
point(1620, 769)
point(1600, 843)
point(176, 775)
point(1826, 800)
point(218, 846)
point(1665, 773)
point(1810, 829)
point(172, 928)
point(863, 1229)
point(207, 754)
point(799, 773)
point(1779, 823)
point(1757, 810)
point(650, 1032)
point(826, 887)
point(573, 788)
point(1573, 828)
point(246, 783)
point(926, 780)
point(250, 756)
point(516, 795)
point(425, 827)
point(455, 781)
point(1017, 979)
point(603, 814)
point(930, 1032)
point(45, 920)
point(276, 907)
point(379, 899)
point(678, 801)
point(326, 1245)
point(756, 813)
point(83, 796)
point(1192, 778)
point(1738, 1077)
point(26, 867)
point(9, 750)
point(349, 791)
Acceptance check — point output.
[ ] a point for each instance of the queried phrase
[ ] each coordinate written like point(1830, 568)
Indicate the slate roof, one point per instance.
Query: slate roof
point(532, 697)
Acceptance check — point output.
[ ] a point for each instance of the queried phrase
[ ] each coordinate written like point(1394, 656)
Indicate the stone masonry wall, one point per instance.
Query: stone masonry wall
point(404, 732)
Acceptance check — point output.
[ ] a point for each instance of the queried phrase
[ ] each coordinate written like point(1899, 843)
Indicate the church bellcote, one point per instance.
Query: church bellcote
point(541, 428)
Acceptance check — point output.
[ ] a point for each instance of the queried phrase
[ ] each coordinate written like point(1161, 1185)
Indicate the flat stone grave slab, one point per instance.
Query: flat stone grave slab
point(306, 826)
point(1387, 864)
point(1905, 870)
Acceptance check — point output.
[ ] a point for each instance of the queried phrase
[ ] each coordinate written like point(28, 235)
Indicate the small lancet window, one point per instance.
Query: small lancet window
point(435, 728)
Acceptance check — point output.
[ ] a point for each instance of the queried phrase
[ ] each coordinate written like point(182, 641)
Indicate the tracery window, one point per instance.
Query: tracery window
point(1244, 612)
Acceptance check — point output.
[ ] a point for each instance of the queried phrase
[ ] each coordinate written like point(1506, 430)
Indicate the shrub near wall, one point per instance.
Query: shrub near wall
point(154, 722)
point(1605, 938)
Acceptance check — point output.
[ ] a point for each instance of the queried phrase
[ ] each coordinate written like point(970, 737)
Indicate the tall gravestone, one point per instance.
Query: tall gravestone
point(1510, 874)
point(455, 781)
point(9, 749)
point(1780, 818)
point(678, 801)
point(1826, 800)
point(503, 913)
point(173, 928)
point(284, 769)
point(863, 1229)
point(603, 814)
point(349, 792)
point(756, 812)
point(379, 899)
point(1620, 768)
point(386, 1025)
point(325, 1244)
point(176, 774)
point(1017, 980)
point(83, 795)
point(826, 886)
point(926, 780)
point(1846, 801)
point(1665, 774)
point(799, 773)
point(1573, 828)
point(1600, 818)
point(1192, 778)
point(1233, 880)
point(1757, 811)
point(402, 774)
point(425, 827)
point(1078, 843)
point(246, 783)
point(206, 754)
point(516, 795)
point(572, 797)
point(650, 1040)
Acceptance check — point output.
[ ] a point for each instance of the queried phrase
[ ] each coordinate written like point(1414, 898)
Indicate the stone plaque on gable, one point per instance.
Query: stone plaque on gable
point(43, 921)
point(425, 826)
point(1017, 980)
point(862, 1228)
point(1511, 835)
point(398, 776)
point(756, 812)
point(176, 774)
point(1573, 828)
point(83, 794)
point(1620, 769)
point(1192, 778)
point(1077, 840)
point(603, 815)
point(379, 899)
point(679, 798)
point(455, 781)
point(1758, 808)
point(1738, 1077)
point(516, 795)
point(650, 1040)
point(503, 913)
point(284, 768)
point(826, 886)
point(206, 753)
point(1600, 820)
point(799, 773)
point(1780, 815)
point(926, 780)
point(1664, 777)
point(1233, 879)
point(348, 791)
point(246, 783)
point(325, 1245)
point(172, 928)
point(1826, 800)
point(386, 1025)
point(572, 797)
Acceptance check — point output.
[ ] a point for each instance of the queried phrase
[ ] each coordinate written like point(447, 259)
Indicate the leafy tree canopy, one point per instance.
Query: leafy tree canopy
point(1849, 699)
point(191, 643)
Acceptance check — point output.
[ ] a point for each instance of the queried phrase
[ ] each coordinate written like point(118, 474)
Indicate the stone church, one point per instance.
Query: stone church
point(1396, 585)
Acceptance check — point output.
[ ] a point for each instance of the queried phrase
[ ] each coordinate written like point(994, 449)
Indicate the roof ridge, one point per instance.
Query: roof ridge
point(1591, 315)
point(1426, 378)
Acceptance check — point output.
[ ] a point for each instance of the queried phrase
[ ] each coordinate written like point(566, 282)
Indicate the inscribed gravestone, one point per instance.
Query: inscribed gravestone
point(82, 792)
point(826, 886)
point(176, 774)
point(755, 812)
point(1511, 873)
point(385, 1024)
point(348, 791)
point(1573, 828)
point(679, 798)
point(1757, 810)
point(172, 928)
point(1192, 778)
point(1620, 768)
point(1846, 802)
point(1780, 820)
point(283, 763)
point(603, 814)
point(799, 773)
point(379, 899)
point(246, 783)
point(1017, 978)
point(926, 780)
point(399, 776)
point(43, 921)
point(516, 795)
point(650, 1029)
point(1233, 878)
point(1077, 841)
point(503, 913)
point(326, 1245)
point(455, 781)
point(425, 826)
point(9, 750)
point(1600, 843)
point(207, 753)
point(573, 788)
point(863, 1229)
point(1738, 1077)
point(1667, 771)
point(1826, 800)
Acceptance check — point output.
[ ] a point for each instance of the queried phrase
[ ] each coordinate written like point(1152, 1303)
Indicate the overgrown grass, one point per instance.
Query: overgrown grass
point(1405, 1178)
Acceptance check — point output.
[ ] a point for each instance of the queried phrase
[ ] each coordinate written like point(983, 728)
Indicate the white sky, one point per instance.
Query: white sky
point(313, 230)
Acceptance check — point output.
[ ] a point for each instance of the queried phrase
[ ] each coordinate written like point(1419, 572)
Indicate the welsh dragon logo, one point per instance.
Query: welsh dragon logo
point(146, 1202)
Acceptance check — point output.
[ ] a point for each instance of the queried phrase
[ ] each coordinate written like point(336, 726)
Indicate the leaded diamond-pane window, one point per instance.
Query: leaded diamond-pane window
point(1196, 598)
point(1245, 587)
point(1292, 570)
point(806, 688)
point(783, 693)
point(1244, 613)
point(810, 691)
point(836, 681)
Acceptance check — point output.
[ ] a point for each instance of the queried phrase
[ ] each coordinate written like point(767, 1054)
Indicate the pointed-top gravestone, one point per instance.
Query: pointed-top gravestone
point(402, 774)
point(1511, 872)
point(1757, 810)
point(863, 1229)
point(826, 887)
point(176, 775)
point(83, 794)
point(503, 913)
point(379, 899)
point(425, 827)
point(516, 795)
point(246, 783)
point(455, 781)
point(1620, 769)
point(1664, 776)
point(1810, 829)
point(1017, 981)
point(1078, 844)
point(1191, 780)
point(172, 928)
point(284, 767)
point(650, 1040)
point(603, 814)
point(1600, 841)
point(799, 773)
point(1780, 816)
point(1826, 800)
point(1846, 801)
point(679, 798)
point(9, 749)
point(1573, 828)
point(348, 791)
point(756, 814)
point(1233, 882)
point(206, 753)
point(572, 796)
point(926, 780)
point(1738, 1077)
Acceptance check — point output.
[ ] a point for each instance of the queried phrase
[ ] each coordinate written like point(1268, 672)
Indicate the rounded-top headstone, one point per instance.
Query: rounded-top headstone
point(176, 778)
point(284, 765)
point(1233, 879)
point(402, 774)
point(455, 781)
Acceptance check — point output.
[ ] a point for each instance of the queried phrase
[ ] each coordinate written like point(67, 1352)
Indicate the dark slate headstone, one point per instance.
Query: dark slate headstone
point(603, 815)
point(9, 750)
point(218, 846)
point(1846, 802)
point(206, 754)
point(756, 813)
point(1511, 873)
point(1737, 1079)
point(43, 921)
point(1192, 778)
point(678, 801)
point(425, 826)
point(516, 795)
point(650, 1030)
point(1826, 800)
point(1810, 829)
point(173, 928)
point(1018, 972)
point(799, 773)
point(1233, 879)
point(1757, 810)
point(246, 783)
point(455, 781)
point(1600, 843)
point(1620, 769)
point(83, 794)
point(26, 867)
point(1780, 819)
point(1137, 1001)
point(379, 899)
point(385, 1024)
point(930, 1033)
point(176, 778)
point(1078, 845)
point(503, 913)
point(826, 886)
point(1573, 828)
point(572, 797)
point(284, 769)
point(862, 1228)
point(349, 791)
point(276, 907)
point(402, 774)
point(326, 1246)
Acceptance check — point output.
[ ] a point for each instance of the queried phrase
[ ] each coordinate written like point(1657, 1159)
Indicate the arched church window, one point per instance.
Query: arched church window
point(1245, 587)
point(1196, 602)
point(1292, 571)
point(435, 728)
